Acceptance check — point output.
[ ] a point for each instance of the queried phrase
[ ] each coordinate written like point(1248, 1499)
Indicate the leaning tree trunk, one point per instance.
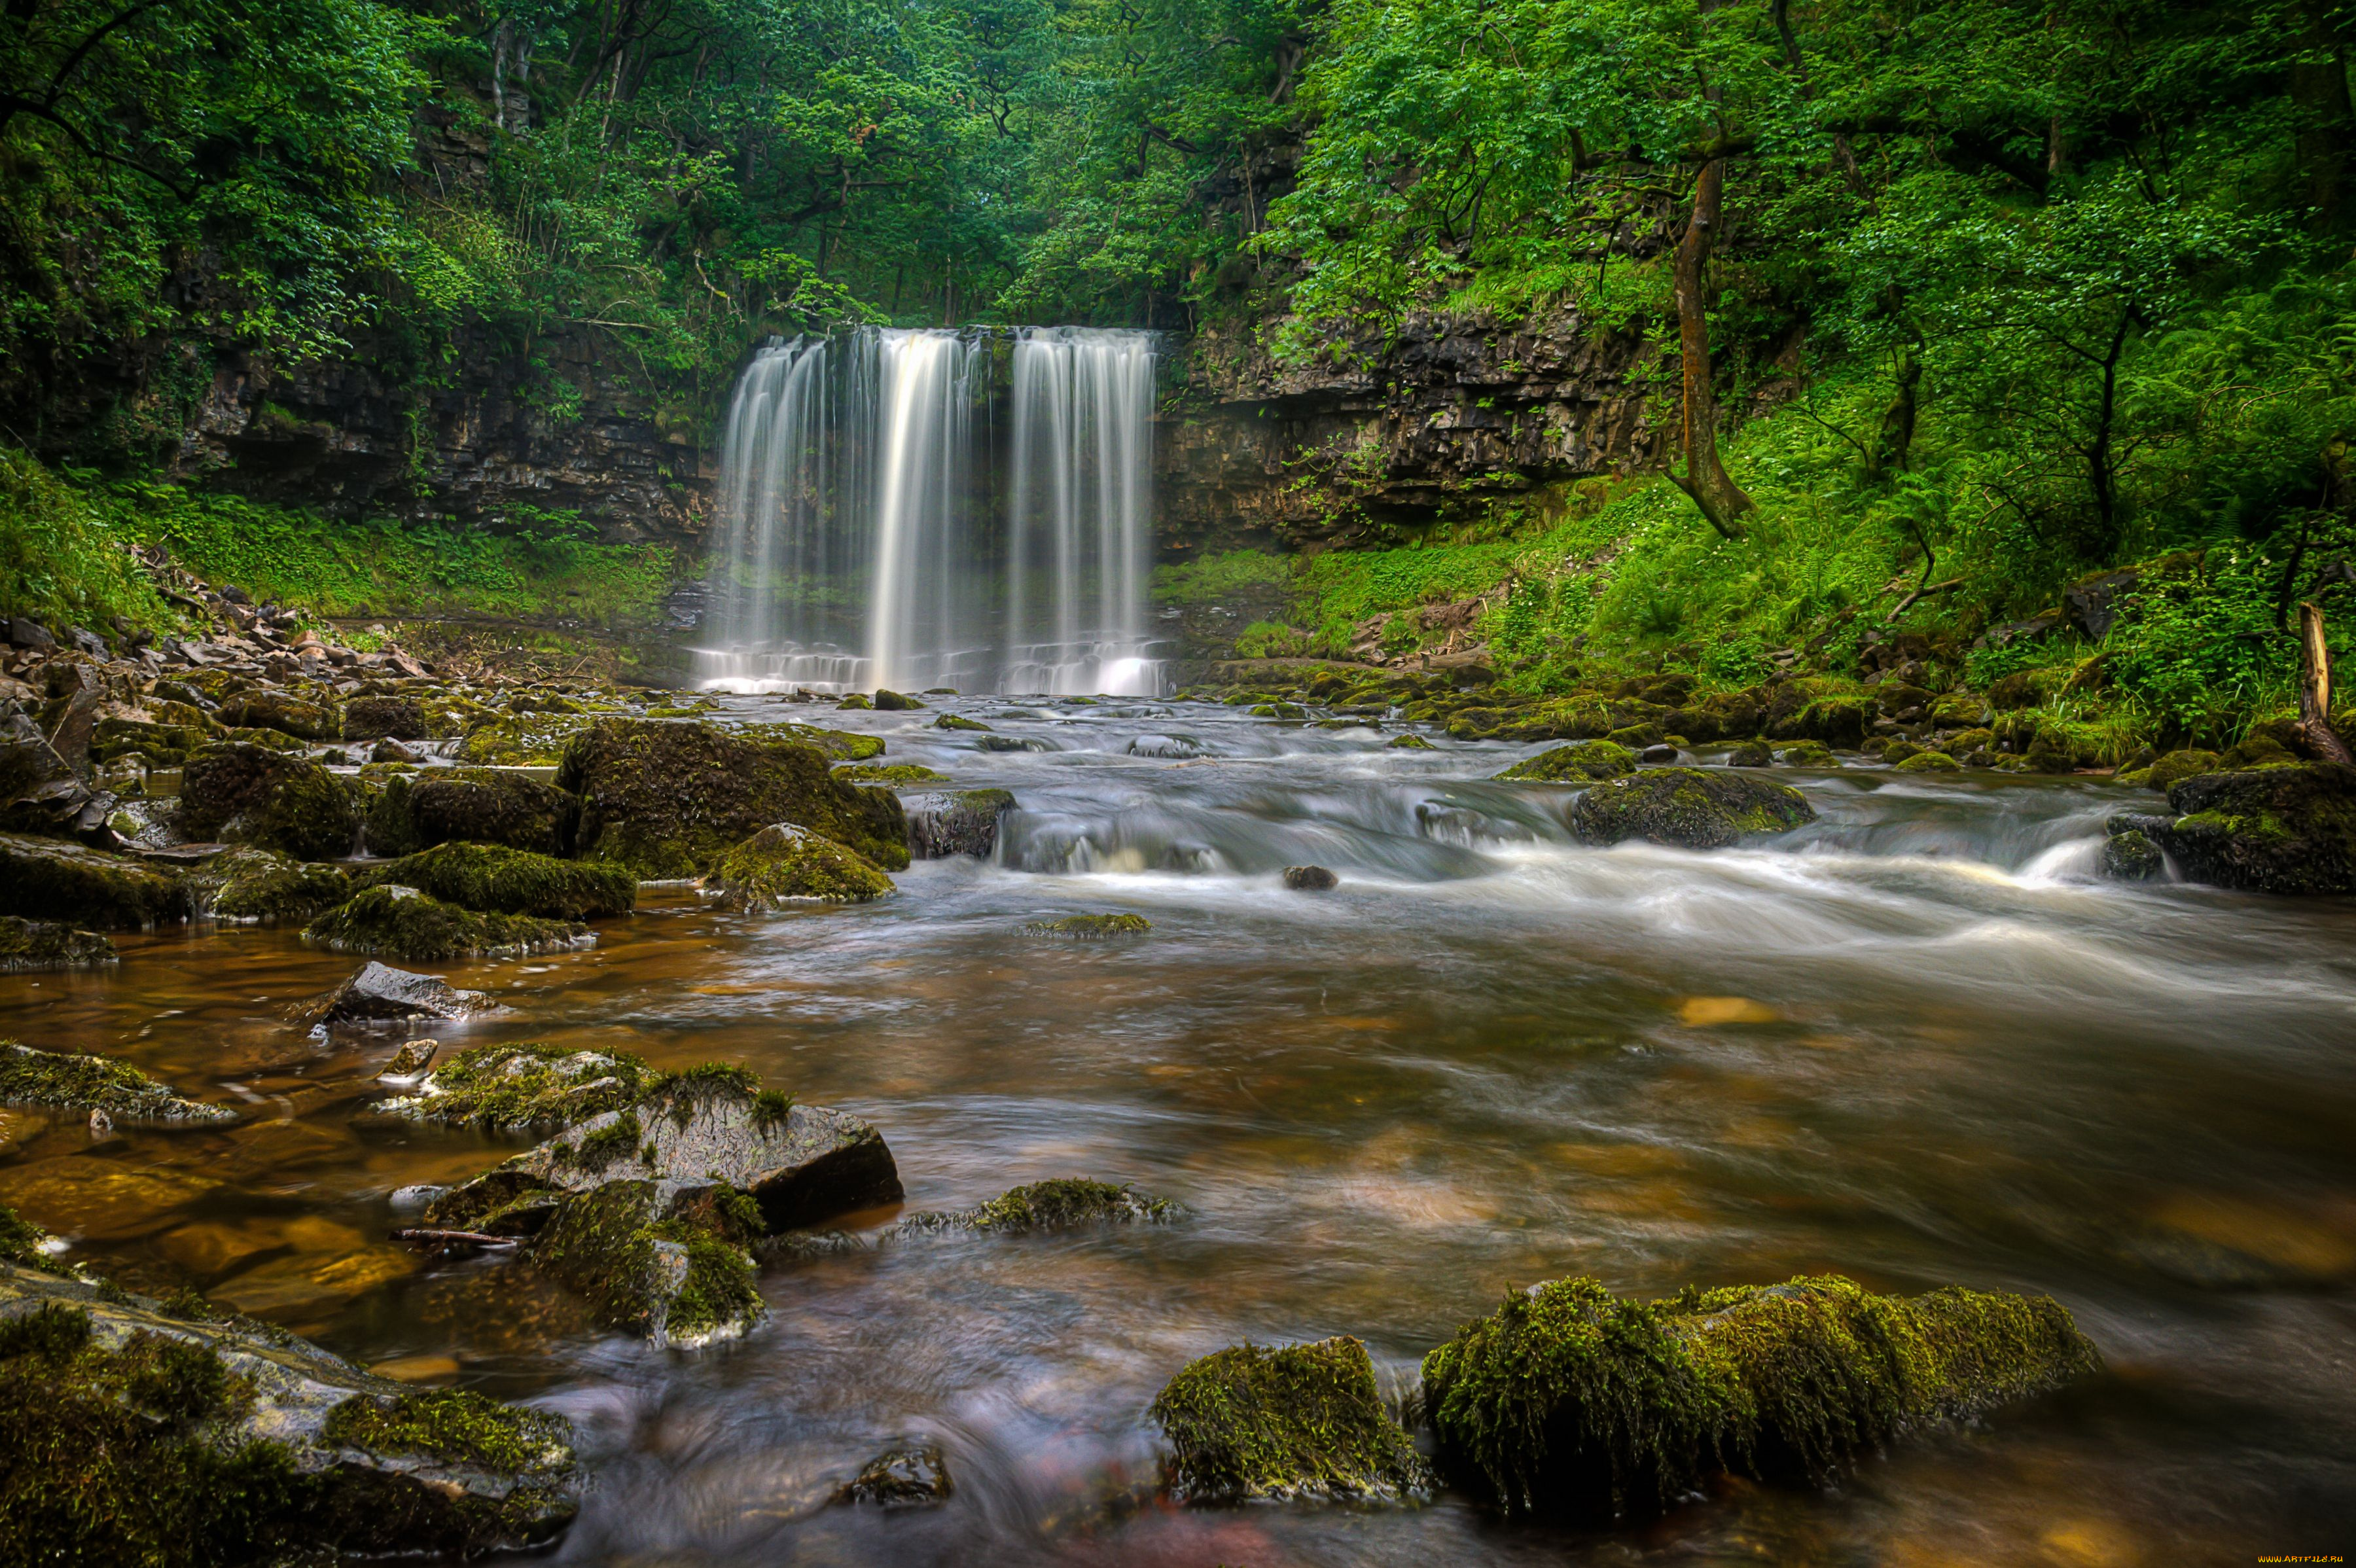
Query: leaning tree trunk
point(2315, 692)
point(1721, 500)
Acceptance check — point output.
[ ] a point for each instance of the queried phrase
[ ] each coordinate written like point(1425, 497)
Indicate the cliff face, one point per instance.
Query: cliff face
point(1454, 409)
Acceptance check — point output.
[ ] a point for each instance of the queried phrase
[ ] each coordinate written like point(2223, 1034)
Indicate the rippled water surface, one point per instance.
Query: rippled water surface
point(1915, 1043)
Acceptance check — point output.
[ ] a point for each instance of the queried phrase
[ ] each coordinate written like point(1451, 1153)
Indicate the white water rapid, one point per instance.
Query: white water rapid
point(882, 523)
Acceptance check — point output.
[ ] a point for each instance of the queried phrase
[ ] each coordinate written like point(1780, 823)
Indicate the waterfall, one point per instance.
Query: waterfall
point(1079, 513)
point(861, 538)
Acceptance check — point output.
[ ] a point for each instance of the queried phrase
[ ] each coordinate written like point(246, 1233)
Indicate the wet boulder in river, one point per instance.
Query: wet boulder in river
point(512, 1088)
point(60, 1081)
point(1689, 807)
point(48, 944)
point(497, 880)
point(912, 1475)
point(164, 1427)
point(257, 885)
point(52, 879)
point(407, 923)
point(1583, 762)
point(386, 718)
point(249, 794)
point(1255, 1423)
point(784, 864)
point(666, 799)
point(379, 993)
point(281, 712)
point(1061, 1204)
point(2289, 829)
point(479, 805)
point(1310, 880)
point(1569, 1401)
point(956, 822)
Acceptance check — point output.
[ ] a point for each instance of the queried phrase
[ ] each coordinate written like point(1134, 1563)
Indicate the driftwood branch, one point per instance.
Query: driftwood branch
point(418, 1237)
point(1922, 593)
point(2315, 692)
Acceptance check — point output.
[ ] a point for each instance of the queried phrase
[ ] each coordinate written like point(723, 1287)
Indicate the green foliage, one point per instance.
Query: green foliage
point(64, 558)
point(2199, 646)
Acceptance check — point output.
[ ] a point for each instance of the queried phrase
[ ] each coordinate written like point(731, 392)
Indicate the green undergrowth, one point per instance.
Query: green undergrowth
point(65, 558)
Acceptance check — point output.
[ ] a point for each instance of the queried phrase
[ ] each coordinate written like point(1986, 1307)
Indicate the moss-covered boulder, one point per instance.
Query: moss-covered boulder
point(671, 1265)
point(668, 798)
point(955, 822)
point(1061, 1203)
point(281, 712)
point(895, 702)
point(49, 944)
point(2269, 830)
point(784, 864)
point(495, 880)
point(1929, 762)
point(163, 745)
point(1409, 743)
point(480, 805)
point(1567, 1401)
point(379, 993)
point(52, 879)
point(247, 794)
point(514, 1089)
point(841, 745)
point(890, 773)
point(135, 1432)
point(252, 886)
point(406, 923)
point(1582, 763)
point(2131, 856)
point(523, 740)
point(2173, 767)
point(1253, 1422)
point(60, 1081)
point(1692, 808)
point(1749, 754)
point(1807, 754)
point(385, 718)
point(1090, 928)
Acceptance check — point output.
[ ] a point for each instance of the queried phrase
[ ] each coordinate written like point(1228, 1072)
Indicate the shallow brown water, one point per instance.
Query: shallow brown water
point(1909, 1044)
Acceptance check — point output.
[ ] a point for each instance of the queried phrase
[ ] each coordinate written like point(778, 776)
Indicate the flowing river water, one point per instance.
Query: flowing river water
point(1915, 1043)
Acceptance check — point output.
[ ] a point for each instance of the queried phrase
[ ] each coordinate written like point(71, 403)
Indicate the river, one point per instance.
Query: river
point(1915, 1043)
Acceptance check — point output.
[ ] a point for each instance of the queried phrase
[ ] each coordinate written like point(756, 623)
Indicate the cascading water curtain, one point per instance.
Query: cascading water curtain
point(1079, 512)
point(932, 576)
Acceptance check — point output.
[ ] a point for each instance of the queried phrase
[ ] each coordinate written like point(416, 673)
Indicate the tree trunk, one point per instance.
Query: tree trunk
point(1896, 437)
point(1721, 500)
point(2326, 121)
point(2315, 692)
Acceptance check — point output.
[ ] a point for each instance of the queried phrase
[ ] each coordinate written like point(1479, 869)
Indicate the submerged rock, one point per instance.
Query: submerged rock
point(48, 944)
point(51, 879)
point(1690, 807)
point(1057, 1205)
point(480, 805)
point(1310, 880)
point(63, 1082)
point(405, 923)
point(492, 879)
point(1252, 1423)
point(1409, 743)
point(666, 800)
point(1749, 754)
point(914, 1476)
point(784, 864)
point(2289, 829)
point(256, 884)
point(410, 1061)
point(1090, 928)
point(1569, 1401)
point(131, 1431)
point(962, 821)
point(379, 993)
point(510, 1088)
point(248, 794)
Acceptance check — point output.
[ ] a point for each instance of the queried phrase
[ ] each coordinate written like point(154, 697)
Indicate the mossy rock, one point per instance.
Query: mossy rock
point(2173, 767)
point(411, 811)
point(514, 1089)
point(890, 773)
point(52, 879)
point(394, 921)
point(1959, 709)
point(1930, 762)
point(163, 745)
point(1749, 754)
point(895, 702)
point(1061, 1204)
point(1807, 754)
point(1570, 1402)
point(140, 1430)
point(385, 718)
point(246, 794)
point(1895, 751)
point(287, 714)
point(56, 1080)
point(840, 745)
point(677, 1274)
point(523, 740)
point(49, 944)
point(2268, 830)
point(1583, 763)
point(2131, 856)
point(490, 879)
point(784, 864)
point(1253, 1422)
point(259, 885)
point(1967, 741)
point(1409, 743)
point(1693, 807)
point(1090, 928)
point(856, 703)
point(1279, 711)
point(960, 821)
point(952, 722)
point(666, 800)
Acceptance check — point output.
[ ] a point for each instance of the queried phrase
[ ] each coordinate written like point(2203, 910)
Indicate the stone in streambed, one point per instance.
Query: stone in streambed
point(247, 794)
point(1090, 928)
point(492, 879)
point(287, 714)
point(1570, 1402)
point(512, 1088)
point(1929, 762)
point(1310, 880)
point(1749, 754)
point(1689, 807)
point(405, 923)
point(666, 800)
point(63, 1082)
point(1252, 1423)
point(912, 1475)
point(2131, 856)
point(481, 805)
point(895, 702)
point(52, 879)
point(192, 1429)
point(410, 1061)
point(250, 886)
point(671, 1267)
point(954, 823)
point(48, 944)
point(386, 718)
point(379, 993)
point(2289, 829)
point(784, 864)
point(1582, 763)
point(1061, 1204)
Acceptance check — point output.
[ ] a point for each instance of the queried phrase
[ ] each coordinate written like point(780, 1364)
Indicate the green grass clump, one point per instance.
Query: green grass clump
point(1300, 1421)
point(1567, 1401)
point(607, 1244)
point(20, 1241)
point(492, 879)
